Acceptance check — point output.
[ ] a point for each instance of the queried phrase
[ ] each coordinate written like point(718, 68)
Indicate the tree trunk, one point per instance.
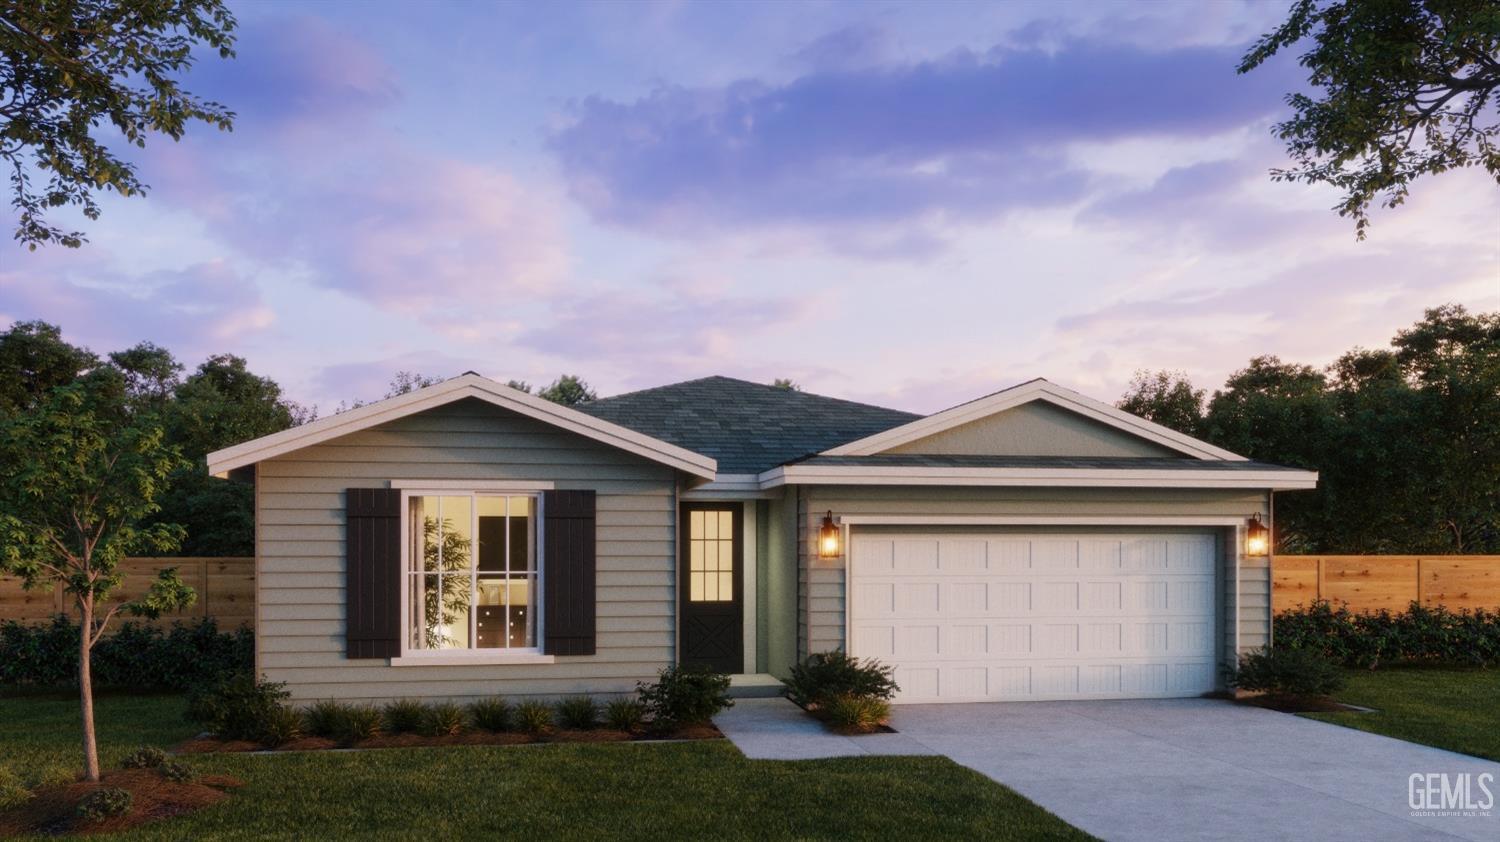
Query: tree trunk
point(86, 688)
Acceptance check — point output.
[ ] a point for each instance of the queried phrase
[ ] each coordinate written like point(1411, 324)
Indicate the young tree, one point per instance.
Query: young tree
point(568, 390)
point(1404, 88)
point(82, 475)
point(1166, 397)
point(67, 68)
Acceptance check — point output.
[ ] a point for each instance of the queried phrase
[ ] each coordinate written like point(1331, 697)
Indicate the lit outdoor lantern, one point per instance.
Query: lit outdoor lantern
point(1257, 537)
point(829, 539)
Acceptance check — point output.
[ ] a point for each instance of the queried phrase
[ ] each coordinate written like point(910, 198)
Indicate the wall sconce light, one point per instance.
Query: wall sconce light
point(1257, 537)
point(830, 538)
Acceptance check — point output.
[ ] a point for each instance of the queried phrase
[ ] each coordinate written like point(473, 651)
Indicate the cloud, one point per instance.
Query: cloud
point(196, 311)
point(962, 138)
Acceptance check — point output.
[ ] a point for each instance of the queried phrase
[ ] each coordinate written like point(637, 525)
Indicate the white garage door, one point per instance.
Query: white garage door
point(992, 617)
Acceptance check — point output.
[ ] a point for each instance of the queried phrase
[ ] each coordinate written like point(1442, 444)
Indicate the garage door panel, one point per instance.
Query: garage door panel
point(965, 617)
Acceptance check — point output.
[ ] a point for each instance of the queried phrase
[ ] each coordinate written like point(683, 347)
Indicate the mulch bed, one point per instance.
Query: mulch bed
point(52, 811)
point(210, 745)
point(1300, 704)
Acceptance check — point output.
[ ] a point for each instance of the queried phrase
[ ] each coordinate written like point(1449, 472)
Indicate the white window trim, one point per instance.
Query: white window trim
point(469, 657)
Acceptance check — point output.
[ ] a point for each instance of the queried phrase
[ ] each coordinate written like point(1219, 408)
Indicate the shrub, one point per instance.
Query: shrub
point(327, 719)
point(176, 771)
point(133, 657)
point(1287, 672)
point(579, 713)
point(280, 725)
point(827, 675)
point(493, 715)
point(404, 716)
point(13, 793)
point(104, 803)
point(624, 715)
point(855, 714)
point(145, 757)
point(534, 717)
point(1422, 634)
point(444, 719)
point(684, 695)
point(361, 722)
point(239, 707)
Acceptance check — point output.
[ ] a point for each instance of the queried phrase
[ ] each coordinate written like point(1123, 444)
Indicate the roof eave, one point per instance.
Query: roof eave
point(1269, 480)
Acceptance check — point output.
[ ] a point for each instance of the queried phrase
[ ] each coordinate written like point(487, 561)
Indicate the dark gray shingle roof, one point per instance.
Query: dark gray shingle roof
point(1144, 463)
point(748, 427)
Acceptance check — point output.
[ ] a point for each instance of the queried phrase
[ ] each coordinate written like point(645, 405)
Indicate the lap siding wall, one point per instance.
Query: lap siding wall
point(300, 554)
point(821, 596)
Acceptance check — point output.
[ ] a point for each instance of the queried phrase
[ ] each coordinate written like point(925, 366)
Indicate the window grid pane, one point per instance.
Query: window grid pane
point(710, 556)
point(472, 574)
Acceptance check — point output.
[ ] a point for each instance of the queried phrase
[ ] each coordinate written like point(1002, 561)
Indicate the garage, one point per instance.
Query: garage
point(971, 616)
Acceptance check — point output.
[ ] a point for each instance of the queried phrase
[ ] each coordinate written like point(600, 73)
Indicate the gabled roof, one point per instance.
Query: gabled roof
point(1073, 471)
point(1032, 390)
point(469, 385)
point(747, 427)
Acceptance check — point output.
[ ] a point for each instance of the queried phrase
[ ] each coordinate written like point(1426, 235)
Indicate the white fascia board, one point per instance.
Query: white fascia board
point(1023, 394)
point(1060, 477)
point(221, 462)
point(728, 487)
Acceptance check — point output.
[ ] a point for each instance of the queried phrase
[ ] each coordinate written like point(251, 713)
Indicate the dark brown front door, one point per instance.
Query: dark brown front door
point(711, 558)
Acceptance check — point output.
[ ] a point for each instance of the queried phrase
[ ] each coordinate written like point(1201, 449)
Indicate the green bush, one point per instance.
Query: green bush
point(684, 695)
point(104, 803)
point(361, 722)
point(493, 715)
point(133, 657)
point(1299, 673)
point(444, 719)
point(239, 707)
point(404, 716)
point(854, 714)
point(624, 715)
point(533, 717)
point(579, 713)
point(145, 757)
point(176, 771)
point(828, 675)
point(1421, 634)
point(279, 725)
point(326, 719)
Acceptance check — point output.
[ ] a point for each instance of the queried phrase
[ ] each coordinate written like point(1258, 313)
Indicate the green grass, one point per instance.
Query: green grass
point(704, 789)
point(40, 735)
point(1453, 709)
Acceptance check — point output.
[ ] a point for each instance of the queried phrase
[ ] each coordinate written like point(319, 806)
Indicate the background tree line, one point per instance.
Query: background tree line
point(219, 404)
point(1406, 440)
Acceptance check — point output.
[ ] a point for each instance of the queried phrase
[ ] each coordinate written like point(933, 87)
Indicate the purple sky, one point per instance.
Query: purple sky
point(911, 204)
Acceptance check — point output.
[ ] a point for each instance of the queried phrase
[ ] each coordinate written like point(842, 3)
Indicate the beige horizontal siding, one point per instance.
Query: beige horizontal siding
point(821, 591)
point(300, 554)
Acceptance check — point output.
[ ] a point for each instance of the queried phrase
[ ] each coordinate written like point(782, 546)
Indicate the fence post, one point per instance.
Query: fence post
point(1419, 581)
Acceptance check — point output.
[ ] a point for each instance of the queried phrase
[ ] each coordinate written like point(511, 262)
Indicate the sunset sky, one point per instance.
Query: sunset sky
point(907, 204)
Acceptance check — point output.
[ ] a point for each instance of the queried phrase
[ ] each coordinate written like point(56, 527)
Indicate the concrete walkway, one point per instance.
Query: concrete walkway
point(1153, 770)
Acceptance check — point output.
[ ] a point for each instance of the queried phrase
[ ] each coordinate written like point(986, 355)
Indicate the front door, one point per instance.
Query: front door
point(711, 583)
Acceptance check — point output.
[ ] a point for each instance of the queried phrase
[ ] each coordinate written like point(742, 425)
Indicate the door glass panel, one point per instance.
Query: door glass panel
point(711, 556)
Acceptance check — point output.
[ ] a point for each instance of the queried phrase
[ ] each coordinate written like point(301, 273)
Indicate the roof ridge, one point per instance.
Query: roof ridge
point(791, 394)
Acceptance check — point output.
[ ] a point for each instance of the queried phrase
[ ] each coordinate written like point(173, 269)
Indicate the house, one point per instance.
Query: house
point(468, 539)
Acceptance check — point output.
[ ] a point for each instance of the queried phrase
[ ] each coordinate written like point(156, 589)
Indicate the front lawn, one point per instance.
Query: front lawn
point(1455, 709)
point(576, 791)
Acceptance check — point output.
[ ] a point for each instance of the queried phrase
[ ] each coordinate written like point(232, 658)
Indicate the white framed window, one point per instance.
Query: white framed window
point(471, 584)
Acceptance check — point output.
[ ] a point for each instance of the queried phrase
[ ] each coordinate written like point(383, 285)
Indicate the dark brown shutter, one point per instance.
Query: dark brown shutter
point(568, 572)
point(372, 583)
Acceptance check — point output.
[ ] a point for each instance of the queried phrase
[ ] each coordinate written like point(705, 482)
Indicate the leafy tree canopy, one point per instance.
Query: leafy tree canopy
point(1402, 89)
point(1166, 397)
point(568, 390)
point(785, 383)
point(34, 359)
point(68, 68)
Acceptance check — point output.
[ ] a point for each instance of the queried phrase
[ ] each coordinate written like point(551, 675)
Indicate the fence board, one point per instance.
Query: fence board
point(1372, 583)
point(225, 588)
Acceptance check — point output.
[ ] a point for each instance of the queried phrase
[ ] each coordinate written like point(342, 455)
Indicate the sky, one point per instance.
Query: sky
point(910, 204)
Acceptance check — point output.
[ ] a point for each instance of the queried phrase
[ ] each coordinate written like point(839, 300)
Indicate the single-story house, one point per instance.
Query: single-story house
point(468, 539)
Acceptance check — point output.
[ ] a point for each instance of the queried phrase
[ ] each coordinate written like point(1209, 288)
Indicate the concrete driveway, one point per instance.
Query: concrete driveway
point(1157, 770)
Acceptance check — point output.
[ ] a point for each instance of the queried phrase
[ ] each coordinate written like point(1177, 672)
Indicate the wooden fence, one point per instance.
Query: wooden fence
point(225, 588)
point(1373, 582)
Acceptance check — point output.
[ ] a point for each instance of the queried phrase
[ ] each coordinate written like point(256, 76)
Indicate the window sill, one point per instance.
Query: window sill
point(472, 659)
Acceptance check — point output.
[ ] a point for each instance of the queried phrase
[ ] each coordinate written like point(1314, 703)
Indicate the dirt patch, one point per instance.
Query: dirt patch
point(1300, 704)
point(52, 811)
point(308, 744)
